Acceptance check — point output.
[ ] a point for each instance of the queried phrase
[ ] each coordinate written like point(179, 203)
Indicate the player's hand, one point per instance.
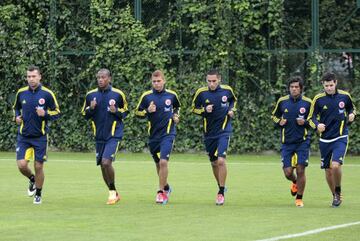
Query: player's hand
point(209, 108)
point(152, 107)
point(300, 121)
point(93, 103)
point(40, 111)
point(351, 117)
point(112, 108)
point(321, 127)
point(176, 118)
point(231, 113)
point(18, 119)
point(282, 122)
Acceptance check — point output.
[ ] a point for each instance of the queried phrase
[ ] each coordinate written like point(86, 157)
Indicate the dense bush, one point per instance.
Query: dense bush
point(71, 40)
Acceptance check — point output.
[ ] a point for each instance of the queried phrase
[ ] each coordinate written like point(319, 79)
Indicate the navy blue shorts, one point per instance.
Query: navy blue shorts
point(106, 150)
point(333, 151)
point(161, 149)
point(31, 149)
point(217, 147)
point(295, 154)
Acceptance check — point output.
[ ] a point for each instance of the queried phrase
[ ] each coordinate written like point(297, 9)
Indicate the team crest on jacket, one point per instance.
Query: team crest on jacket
point(41, 101)
point(112, 102)
point(341, 104)
point(302, 110)
point(224, 98)
point(167, 102)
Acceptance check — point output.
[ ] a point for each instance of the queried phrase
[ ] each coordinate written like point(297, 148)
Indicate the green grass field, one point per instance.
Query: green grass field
point(258, 203)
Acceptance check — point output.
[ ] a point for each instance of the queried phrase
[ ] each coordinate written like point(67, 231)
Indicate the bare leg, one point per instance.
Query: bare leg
point(221, 163)
point(39, 174)
point(301, 179)
point(163, 173)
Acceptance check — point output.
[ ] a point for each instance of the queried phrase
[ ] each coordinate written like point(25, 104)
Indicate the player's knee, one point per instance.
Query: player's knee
point(163, 163)
point(22, 164)
point(39, 166)
point(105, 163)
point(221, 161)
point(288, 174)
point(300, 171)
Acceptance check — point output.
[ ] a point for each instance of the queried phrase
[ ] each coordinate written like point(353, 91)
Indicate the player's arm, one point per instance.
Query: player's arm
point(276, 115)
point(17, 109)
point(122, 110)
point(197, 106)
point(350, 109)
point(88, 109)
point(312, 117)
point(53, 111)
point(141, 107)
point(176, 109)
point(232, 103)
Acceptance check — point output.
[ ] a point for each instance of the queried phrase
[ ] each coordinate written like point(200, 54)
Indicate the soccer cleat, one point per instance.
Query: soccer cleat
point(114, 197)
point(168, 192)
point(165, 198)
point(220, 199)
point(336, 200)
point(293, 189)
point(31, 189)
point(37, 199)
point(160, 197)
point(299, 203)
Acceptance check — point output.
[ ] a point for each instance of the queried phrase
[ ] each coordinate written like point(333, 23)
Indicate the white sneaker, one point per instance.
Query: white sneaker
point(32, 189)
point(37, 199)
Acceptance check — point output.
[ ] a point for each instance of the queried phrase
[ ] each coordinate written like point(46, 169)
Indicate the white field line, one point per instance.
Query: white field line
point(119, 159)
point(314, 231)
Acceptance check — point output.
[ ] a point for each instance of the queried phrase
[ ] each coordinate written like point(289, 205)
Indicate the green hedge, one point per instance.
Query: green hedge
point(219, 32)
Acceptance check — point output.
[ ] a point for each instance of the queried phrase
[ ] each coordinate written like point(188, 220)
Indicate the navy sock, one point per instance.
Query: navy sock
point(112, 186)
point(32, 178)
point(38, 191)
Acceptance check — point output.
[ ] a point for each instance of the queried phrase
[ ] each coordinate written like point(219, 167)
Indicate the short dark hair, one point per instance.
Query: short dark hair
point(104, 70)
point(295, 79)
point(33, 68)
point(214, 72)
point(328, 76)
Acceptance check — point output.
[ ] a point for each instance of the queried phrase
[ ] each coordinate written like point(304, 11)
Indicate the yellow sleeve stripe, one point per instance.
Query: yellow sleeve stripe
point(84, 105)
point(53, 96)
point(307, 99)
point(83, 108)
point(142, 113)
point(278, 102)
point(19, 91)
point(200, 110)
point(123, 97)
point(312, 124)
point(174, 93)
point(53, 112)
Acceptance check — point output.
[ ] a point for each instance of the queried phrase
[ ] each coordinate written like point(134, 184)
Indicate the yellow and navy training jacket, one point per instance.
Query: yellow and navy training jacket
point(333, 111)
point(290, 108)
point(160, 122)
point(217, 122)
point(105, 124)
point(27, 101)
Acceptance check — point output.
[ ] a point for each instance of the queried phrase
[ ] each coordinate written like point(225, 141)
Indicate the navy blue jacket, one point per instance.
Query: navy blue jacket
point(217, 122)
point(290, 108)
point(331, 110)
point(27, 101)
point(160, 122)
point(105, 124)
